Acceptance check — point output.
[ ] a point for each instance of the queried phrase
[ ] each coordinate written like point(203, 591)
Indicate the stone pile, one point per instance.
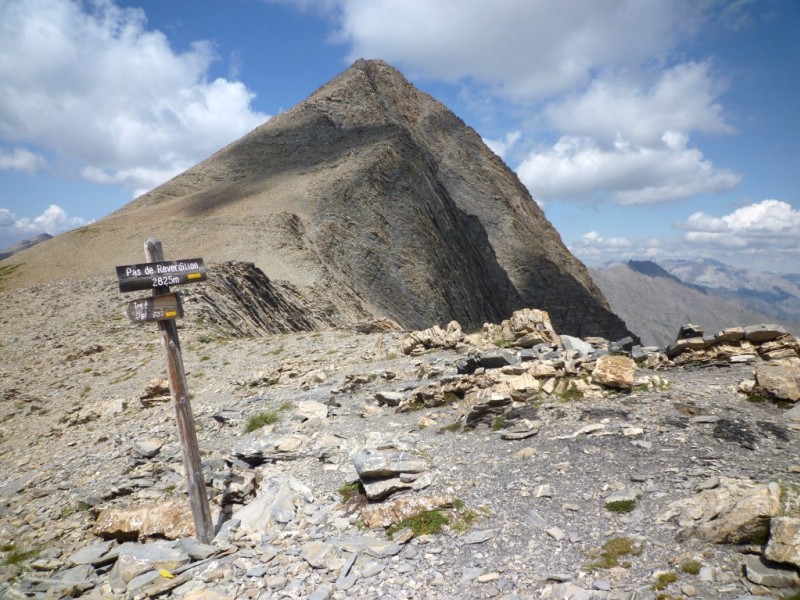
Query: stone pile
point(735, 344)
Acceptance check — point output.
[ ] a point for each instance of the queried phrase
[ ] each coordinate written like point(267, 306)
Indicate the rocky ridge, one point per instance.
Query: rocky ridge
point(559, 467)
point(369, 199)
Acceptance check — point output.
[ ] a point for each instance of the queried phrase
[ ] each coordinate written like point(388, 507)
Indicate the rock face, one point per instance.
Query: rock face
point(371, 199)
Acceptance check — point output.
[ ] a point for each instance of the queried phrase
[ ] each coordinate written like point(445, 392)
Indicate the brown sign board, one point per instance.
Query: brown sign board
point(155, 308)
point(146, 276)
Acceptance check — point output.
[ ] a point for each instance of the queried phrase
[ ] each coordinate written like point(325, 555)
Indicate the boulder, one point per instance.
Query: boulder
point(390, 513)
point(433, 337)
point(784, 541)
point(758, 334)
point(614, 371)
point(781, 381)
point(380, 463)
point(482, 406)
point(738, 511)
point(171, 520)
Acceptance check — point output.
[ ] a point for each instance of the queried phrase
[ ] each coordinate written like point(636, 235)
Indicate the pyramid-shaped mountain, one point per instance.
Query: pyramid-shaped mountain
point(370, 198)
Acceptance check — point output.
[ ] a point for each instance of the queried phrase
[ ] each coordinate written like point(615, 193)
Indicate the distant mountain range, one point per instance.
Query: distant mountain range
point(24, 245)
point(654, 299)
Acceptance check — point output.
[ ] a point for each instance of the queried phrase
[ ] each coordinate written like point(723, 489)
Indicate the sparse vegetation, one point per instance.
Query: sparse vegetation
point(269, 417)
point(205, 357)
point(451, 397)
point(453, 427)
point(260, 420)
point(502, 343)
point(15, 556)
point(612, 551)
point(570, 394)
point(425, 523)
point(498, 423)
point(621, 506)
point(664, 579)
point(348, 491)
point(692, 567)
point(85, 391)
point(7, 271)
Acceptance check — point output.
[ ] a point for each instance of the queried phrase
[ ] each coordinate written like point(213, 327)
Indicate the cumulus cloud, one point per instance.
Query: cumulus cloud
point(53, 220)
point(767, 226)
point(580, 168)
point(21, 159)
point(596, 249)
point(683, 98)
point(90, 82)
point(501, 147)
point(603, 74)
point(522, 50)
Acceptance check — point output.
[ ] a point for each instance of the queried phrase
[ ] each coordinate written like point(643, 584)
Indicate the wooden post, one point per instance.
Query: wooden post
point(201, 512)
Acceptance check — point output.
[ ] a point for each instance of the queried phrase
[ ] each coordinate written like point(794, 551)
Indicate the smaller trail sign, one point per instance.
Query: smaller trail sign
point(146, 276)
point(155, 308)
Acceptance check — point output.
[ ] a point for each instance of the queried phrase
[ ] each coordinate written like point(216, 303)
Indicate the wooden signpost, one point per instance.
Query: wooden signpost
point(164, 307)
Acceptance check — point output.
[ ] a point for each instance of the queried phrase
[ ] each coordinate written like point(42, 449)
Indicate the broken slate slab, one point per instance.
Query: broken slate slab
point(381, 463)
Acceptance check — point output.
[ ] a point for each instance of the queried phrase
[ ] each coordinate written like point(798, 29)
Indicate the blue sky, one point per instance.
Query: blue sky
point(644, 128)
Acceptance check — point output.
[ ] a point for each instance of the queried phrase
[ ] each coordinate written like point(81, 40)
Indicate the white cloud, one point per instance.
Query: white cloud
point(92, 84)
point(21, 159)
point(683, 98)
point(523, 50)
point(605, 74)
point(579, 168)
point(767, 226)
point(53, 220)
point(501, 147)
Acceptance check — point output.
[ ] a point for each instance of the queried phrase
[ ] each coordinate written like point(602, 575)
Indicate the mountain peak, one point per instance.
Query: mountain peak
point(369, 198)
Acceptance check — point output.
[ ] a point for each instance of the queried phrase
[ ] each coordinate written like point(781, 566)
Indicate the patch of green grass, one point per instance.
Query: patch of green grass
point(15, 556)
point(275, 351)
point(391, 356)
point(425, 523)
point(415, 406)
point(8, 270)
point(502, 343)
point(664, 579)
point(612, 551)
point(348, 491)
point(205, 357)
point(85, 391)
point(498, 423)
point(466, 519)
point(205, 338)
point(451, 398)
point(454, 427)
point(571, 393)
point(692, 567)
point(260, 420)
point(755, 398)
point(621, 506)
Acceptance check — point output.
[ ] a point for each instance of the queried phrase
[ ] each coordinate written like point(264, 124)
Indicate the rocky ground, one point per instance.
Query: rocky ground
point(593, 499)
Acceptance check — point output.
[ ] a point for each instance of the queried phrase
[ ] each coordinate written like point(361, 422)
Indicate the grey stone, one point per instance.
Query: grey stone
point(778, 380)
point(379, 463)
point(478, 537)
point(496, 359)
point(784, 541)
point(256, 571)
point(321, 593)
point(770, 576)
point(91, 555)
point(148, 448)
point(389, 398)
point(758, 334)
point(577, 344)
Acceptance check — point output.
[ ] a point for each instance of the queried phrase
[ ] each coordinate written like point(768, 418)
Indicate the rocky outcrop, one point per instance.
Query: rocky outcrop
point(241, 300)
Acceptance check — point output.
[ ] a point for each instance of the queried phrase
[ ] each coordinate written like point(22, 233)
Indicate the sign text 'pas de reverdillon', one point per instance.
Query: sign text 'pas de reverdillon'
point(147, 276)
